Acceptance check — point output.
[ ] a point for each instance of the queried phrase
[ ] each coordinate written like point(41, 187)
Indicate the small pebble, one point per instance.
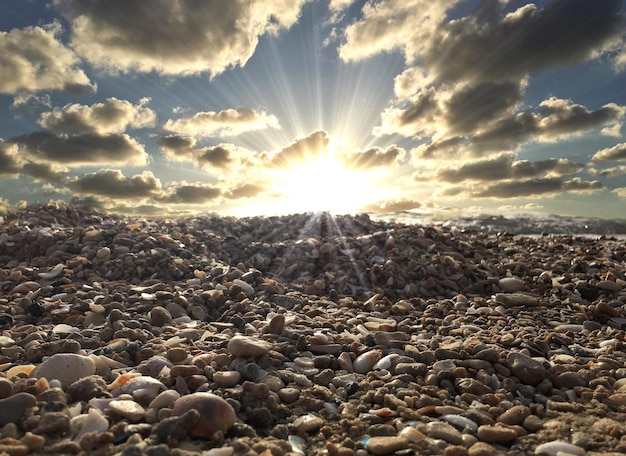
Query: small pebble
point(386, 444)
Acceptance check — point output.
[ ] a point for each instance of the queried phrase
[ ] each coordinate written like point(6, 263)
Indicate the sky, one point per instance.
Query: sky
point(264, 107)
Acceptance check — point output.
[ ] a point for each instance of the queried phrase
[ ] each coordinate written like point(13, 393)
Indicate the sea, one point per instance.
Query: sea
point(515, 223)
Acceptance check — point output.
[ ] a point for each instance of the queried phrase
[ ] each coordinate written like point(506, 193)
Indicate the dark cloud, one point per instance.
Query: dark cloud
point(400, 205)
point(42, 172)
point(375, 157)
point(173, 36)
point(111, 183)
point(33, 59)
point(9, 164)
point(302, 149)
point(246, 191)
point(223, 156)
point(111, 116)
point(82, 150)
point(505, 167)
point(189, 194)
point(555, 119)
point(615, 153)
point(534, 188)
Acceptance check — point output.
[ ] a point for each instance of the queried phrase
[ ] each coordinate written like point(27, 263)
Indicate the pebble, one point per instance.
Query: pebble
point(215, 414)
point(386, 444)
point(558, 447)
point(13, 408)
point(265, 336)
point(243, 346)
point(528, 370)
point(66, 368)
point(496, 433)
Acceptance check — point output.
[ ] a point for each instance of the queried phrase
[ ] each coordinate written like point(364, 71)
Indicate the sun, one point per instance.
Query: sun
point(323, 183)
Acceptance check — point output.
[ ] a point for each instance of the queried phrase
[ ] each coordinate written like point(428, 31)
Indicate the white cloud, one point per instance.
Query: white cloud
point(111, 116)
point(229, 122)
point(33, 59)
point(175, 37)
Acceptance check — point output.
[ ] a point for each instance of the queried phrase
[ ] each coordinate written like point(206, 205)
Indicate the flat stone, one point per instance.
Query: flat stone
point(130, 410)
point(243, 346)
point(510, 284)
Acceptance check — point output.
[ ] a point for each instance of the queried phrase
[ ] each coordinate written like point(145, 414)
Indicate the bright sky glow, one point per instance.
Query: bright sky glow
point(274, 106)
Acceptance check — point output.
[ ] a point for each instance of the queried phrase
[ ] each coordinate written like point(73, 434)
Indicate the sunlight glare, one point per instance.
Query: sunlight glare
point(324, 183)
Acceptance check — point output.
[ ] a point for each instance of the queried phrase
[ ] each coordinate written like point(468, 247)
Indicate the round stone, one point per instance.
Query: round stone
point(528, 370)
point(160, 316)
point(66, 368)
point(215, 413)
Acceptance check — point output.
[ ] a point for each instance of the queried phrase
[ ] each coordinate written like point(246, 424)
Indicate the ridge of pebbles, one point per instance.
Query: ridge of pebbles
point(305, 334)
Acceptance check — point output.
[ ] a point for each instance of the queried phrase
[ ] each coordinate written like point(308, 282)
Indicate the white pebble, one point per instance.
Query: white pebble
point(558, 447)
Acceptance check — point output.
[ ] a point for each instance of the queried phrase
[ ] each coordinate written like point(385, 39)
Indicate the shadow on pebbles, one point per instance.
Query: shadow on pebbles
point(305, 335)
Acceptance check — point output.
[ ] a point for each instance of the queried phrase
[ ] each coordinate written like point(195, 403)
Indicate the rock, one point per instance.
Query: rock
point(244, 346)
point(510, 284)
point(215, 414)
point(176, 427)
point(386, 444)
point(13, 408)
point(482, 449)
point(528, 370)
point(444, 431)
point(226, 379)
point(53, 423)
point(66, 368)
point(87, 388)
point(6, 388)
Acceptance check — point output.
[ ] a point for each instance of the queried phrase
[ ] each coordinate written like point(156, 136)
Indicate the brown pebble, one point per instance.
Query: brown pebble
point(160, 316)
point(482, 449)
point(386, 445)
point(277, 324)
point(183, 370)
point(6, 388)
point(215, 413)
point(496, 433)
point(514, 415)
point(12, 408)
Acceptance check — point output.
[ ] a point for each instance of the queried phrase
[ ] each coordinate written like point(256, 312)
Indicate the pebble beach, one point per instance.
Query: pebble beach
point(306, 334)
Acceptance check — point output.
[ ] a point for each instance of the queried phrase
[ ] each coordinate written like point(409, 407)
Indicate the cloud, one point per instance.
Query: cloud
point(230, 122)
point(183, 193)
point(609, 172)
point(246, 191)
point(375, 157)
point(13, 165)
point(111, 116)
point(615, 153)
point(503, 167)
point(111, 183)
point(399, 205)
point(225, 156)
point(489, 45)
point(33, 59)
point(301, 149)
point(538, 187)
point(454, 110)
point(9, 160)
point(621, 192)
point(174, 37)
point(555, 119)
point(82, 150)
point(390, 25)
